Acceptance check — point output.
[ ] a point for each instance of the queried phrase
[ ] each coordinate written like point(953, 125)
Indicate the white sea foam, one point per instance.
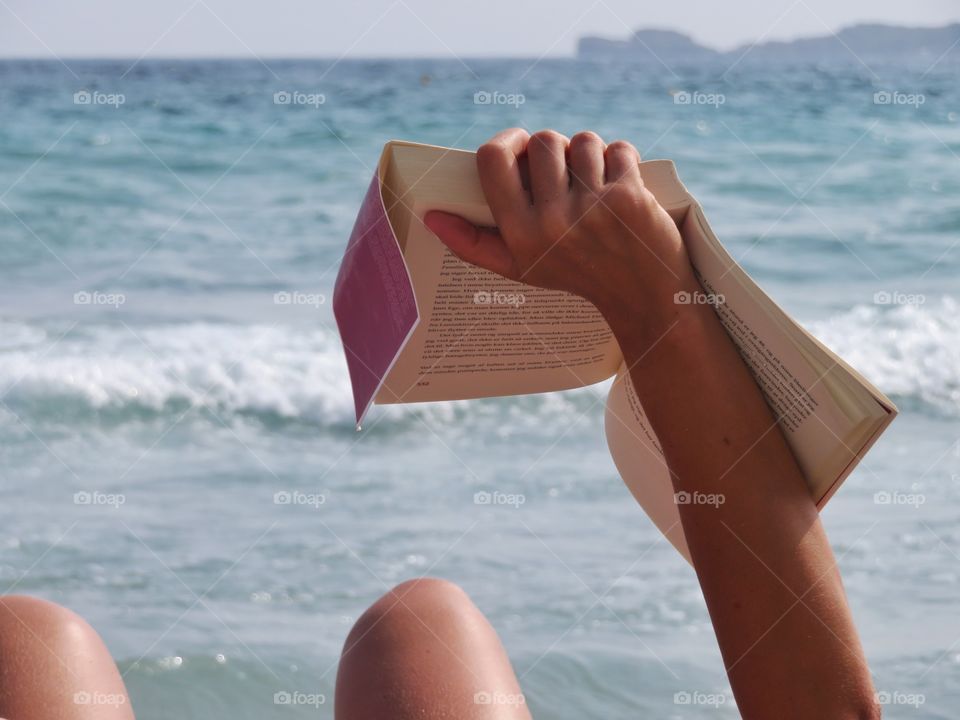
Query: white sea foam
point(258, 369)
point(283, 372)
point(910, 352)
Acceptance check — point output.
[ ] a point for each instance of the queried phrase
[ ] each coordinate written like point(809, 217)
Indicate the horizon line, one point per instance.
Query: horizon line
point(456, 56)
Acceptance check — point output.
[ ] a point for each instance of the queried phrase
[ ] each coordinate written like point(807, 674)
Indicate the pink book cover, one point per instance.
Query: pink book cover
point(373, 300)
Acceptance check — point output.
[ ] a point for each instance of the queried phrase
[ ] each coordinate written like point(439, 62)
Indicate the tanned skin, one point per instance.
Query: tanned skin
point(585, 223)
point(424, 650)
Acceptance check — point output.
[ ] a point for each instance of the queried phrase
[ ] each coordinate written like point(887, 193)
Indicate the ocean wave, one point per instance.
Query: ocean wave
point(911, 352)
point(276, 373)
point(262, 370)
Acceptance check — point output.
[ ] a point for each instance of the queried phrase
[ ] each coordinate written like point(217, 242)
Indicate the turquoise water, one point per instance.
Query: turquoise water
point(145, 361)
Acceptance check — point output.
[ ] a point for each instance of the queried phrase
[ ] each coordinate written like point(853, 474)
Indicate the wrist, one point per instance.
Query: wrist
point(641, 314)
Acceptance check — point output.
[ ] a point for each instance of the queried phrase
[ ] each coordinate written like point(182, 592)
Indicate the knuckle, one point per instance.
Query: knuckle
point(586, 137)
point(621, 146)
point(491, 152)
point(549, 139)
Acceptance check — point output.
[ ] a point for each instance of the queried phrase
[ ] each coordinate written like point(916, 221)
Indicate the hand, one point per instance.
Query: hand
point(586, 225)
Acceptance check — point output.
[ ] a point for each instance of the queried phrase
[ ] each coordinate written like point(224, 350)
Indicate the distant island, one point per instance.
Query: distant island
point(868, 42)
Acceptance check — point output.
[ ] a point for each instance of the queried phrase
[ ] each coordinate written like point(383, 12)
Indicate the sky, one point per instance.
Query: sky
point(416, 28)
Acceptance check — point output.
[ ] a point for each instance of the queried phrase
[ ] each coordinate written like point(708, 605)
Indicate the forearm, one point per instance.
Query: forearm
point(763, 560)
point(586, 224)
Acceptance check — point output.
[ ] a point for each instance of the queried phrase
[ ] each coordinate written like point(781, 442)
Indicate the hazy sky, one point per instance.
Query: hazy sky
point(366, 28)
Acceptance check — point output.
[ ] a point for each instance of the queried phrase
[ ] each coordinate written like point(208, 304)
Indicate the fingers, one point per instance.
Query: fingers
point(498, 162)
point(549, 179)
point(586, 161)
point(622, 161)
point(479, 246)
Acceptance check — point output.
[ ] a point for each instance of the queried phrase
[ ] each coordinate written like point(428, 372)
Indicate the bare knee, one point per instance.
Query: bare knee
point(36, 631)
point(22, 616)
point(416, 606)
point(422, 650)
point(426, 593)
point(53, 664)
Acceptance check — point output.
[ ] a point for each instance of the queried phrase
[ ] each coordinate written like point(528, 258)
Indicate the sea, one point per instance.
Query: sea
point(179, 459)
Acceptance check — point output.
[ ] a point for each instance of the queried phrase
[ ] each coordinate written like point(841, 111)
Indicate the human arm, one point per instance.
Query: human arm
point(588, 226)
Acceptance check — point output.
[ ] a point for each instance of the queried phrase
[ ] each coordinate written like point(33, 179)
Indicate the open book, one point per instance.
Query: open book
point(418, 324)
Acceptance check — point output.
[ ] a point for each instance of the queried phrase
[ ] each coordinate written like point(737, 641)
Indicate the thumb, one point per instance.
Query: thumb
point(479, 246)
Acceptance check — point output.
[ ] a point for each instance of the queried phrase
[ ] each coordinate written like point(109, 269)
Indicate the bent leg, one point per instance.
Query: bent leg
point(425, 651)
point(54, 666)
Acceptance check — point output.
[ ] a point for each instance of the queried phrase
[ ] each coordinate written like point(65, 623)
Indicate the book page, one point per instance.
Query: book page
point(793, 389)
point(639, 459)
point(481, 335)
point(826, 430)
point(808, 399)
